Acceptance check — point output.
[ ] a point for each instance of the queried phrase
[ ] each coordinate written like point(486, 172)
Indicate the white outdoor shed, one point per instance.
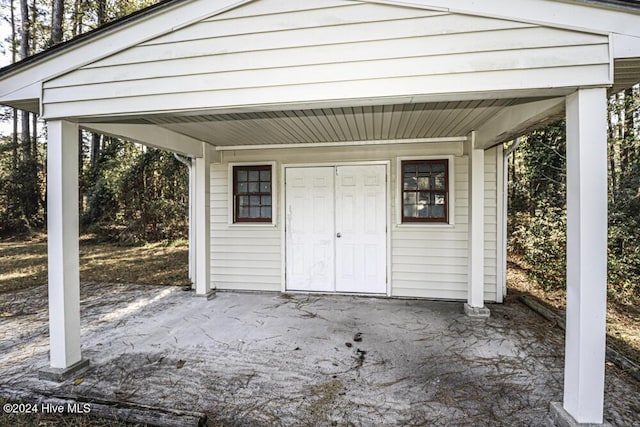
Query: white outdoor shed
point(347, 146)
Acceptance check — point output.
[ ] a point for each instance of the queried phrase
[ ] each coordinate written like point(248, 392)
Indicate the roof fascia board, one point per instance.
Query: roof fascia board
point(114, 40)
point(514, 120)
point(150, 135)
point(585, 17)
point(25, 98)
point(625, 46)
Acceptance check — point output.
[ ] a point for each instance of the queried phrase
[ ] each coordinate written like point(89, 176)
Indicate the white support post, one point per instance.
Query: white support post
point(192, 234)
point(475, 301)
point(63, 252)
point(202, 223)
point(586, 255)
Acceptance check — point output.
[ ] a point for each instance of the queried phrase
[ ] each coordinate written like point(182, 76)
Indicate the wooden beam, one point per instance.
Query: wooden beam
point(514, 121)
point(625, 46)
point(150, 135)
point(117, 410)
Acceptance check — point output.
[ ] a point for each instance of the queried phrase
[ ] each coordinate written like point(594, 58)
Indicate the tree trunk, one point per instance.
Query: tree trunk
point(628, 129)
point(34, 140)
point(613, 148)
point(24, 52)
point(24, 29)
point(101, 12)
point(14, 140)
point(95, 150)
point(14, 116)
point(57, 14)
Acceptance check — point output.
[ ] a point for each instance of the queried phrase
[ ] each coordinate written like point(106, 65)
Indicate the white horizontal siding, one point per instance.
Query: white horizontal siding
point(241, 258)
point(327, 50)
point(336, 72)
point(426, 261)
point(490, 223)
point(432, 262)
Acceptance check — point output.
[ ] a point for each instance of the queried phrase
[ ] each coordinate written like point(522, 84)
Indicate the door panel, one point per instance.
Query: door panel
point(336, 229)
point(310, 237)
point(361, 223)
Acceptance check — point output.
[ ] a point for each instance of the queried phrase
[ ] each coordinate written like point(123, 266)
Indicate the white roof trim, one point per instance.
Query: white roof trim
point(108, 43)
point(584, 17)
point(593, 18)
point(625, 46)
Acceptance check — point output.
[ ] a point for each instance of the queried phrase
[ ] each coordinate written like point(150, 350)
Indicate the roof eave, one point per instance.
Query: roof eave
point(85, 37)
point(626, 5)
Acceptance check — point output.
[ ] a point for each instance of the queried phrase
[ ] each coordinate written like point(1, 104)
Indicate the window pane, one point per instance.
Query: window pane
point(437, 168)
point(437, 211)
point(423, 169)
point(253, 193)
point(409, 198)
point(410, 211)
point(410, 182)
point(439, 181)
point(410, 169)
point(424, 199)
point(423, 183)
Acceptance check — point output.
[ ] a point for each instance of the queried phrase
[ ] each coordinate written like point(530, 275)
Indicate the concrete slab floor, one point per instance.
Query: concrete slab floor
point(272, 359)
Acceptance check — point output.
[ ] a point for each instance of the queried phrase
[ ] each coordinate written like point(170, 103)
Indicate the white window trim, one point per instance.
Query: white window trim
point(452, 195)
point(274, 196)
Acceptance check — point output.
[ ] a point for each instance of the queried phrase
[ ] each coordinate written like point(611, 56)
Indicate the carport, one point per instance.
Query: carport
point(456, 77)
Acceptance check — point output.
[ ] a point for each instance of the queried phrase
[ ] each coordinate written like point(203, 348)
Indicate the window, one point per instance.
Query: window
point(425, 190)
point(252, 198)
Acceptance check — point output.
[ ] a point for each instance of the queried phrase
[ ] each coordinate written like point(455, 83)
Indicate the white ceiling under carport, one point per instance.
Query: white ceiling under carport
point(333, 125)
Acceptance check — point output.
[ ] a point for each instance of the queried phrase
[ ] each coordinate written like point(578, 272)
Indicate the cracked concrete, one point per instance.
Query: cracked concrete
point(271, 359)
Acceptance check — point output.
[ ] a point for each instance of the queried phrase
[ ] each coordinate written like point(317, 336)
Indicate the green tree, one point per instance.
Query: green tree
point(537, 205)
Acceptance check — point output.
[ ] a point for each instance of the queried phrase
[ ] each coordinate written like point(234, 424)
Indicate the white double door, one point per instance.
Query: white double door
point(336, 220)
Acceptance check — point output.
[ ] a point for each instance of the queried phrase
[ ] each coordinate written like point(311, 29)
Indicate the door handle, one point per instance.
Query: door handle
point(339, 235)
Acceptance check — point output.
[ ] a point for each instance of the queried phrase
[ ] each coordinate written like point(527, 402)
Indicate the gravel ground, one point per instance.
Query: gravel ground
point(272, 359)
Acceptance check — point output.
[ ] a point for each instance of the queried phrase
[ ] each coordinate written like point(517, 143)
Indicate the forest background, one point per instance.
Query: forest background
point(132, 194)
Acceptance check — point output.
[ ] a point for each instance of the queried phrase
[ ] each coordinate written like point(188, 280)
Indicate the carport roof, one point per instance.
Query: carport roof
point(629, 5)
point(312, 124)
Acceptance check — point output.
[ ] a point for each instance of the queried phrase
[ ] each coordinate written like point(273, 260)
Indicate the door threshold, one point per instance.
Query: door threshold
point(328, 293)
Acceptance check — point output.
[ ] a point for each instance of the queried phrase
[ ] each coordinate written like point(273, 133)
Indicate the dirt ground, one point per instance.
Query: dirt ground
point(623, 319)
point(271, 359)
